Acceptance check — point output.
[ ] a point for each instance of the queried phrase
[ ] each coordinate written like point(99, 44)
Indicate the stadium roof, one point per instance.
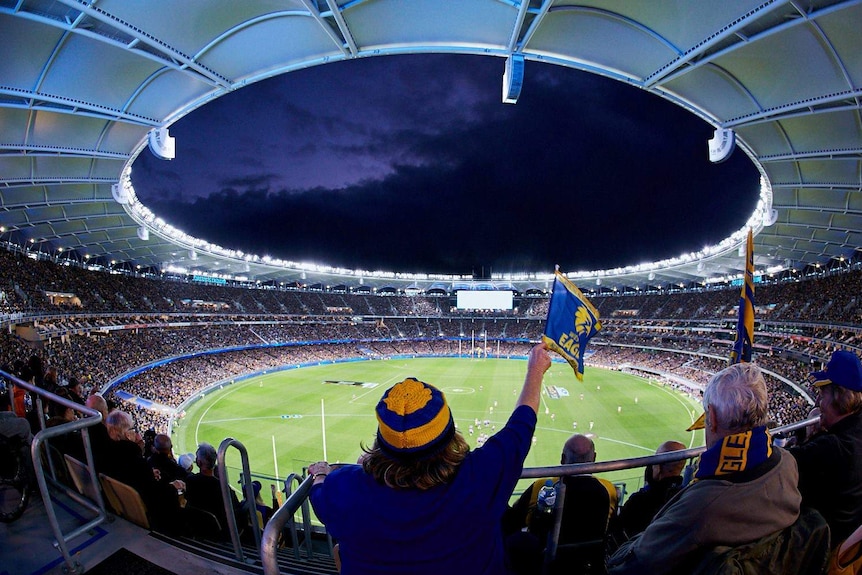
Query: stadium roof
point(85, 85)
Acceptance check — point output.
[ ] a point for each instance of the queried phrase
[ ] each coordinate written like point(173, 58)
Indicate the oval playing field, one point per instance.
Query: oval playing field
point(288, 419)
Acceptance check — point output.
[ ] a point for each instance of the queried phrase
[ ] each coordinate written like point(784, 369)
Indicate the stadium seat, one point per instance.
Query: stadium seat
point(847, 559)
point(585, 557)
point(125, 501)
point(202, 524)
point(580, 524)
point(81, 478)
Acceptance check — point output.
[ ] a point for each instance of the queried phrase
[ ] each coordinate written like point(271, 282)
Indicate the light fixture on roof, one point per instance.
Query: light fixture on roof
point(162, 145)
point(120, 193)
point(721, 145)
point(513, 78)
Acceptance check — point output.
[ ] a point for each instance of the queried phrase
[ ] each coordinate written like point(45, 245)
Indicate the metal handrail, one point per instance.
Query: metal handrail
point(226, 495)
point(269, 544)
point(91, 418)
point(306, 516)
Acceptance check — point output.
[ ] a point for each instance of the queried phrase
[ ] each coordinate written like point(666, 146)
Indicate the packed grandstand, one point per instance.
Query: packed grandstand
point(98, 327)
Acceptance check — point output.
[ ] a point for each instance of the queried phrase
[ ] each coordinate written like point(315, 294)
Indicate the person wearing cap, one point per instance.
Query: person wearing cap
point(420, 501)
point(744, 489)
point(265, 510)
point(830, 464)
point(187, 462)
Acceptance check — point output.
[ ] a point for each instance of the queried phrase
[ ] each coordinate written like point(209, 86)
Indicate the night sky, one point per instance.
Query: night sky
point(412, 163)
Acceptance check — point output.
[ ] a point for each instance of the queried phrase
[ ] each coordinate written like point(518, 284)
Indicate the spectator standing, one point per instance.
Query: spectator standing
point(745, 489)
point(421, 501)
point(830, 464)
point(76, 390)
point(100, 441)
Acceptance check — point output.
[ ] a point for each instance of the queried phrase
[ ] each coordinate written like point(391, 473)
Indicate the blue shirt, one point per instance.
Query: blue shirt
point(449, 529)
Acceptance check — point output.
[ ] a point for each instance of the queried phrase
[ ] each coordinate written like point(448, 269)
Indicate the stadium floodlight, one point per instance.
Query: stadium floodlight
point(513, 78)
point(119, 193)
point(162, 144)
point(721, 145)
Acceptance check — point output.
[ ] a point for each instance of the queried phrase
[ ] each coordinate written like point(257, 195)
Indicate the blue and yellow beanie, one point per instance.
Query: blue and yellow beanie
point(413, 420)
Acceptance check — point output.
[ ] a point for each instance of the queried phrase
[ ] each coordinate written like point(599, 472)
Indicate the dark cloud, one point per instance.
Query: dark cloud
point(413, 164)
point(248, 182)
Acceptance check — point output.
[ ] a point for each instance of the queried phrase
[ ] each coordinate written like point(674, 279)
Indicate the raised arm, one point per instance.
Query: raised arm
point(537, 364)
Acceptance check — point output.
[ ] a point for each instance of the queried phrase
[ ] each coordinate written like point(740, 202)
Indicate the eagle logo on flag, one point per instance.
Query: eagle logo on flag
point(572, 321)
point(584, 322)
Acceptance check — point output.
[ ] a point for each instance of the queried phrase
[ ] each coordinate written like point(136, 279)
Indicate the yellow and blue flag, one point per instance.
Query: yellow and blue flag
point(572, 321)
point(743, 344)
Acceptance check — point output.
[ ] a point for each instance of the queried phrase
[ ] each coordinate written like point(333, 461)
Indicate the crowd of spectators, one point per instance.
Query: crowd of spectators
point(95, 326)
point(40, 285)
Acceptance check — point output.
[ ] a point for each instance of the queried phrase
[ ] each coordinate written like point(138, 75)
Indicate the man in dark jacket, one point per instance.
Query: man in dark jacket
point(163, 460)
point(590, 502)
point(745, 489)
point(830, 465)
point(662, 482)
point(124, 461)
point(203, 489)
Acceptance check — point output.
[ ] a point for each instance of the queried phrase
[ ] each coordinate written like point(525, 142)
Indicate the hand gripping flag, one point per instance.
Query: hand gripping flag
point(572, 321)
point(742, 346)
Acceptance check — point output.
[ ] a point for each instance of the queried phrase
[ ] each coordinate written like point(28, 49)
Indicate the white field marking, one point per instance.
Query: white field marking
point(679, 399)
point(458, 390)
point(542, 395)
point(229, 419)
point(358, 397)
point(647, 449)
point(233, 387)
point(567, 433)
point(304, 416)
point(392, 380)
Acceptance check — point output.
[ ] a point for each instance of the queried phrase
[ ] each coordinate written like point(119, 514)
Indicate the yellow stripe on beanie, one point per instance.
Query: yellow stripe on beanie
point(413, 417)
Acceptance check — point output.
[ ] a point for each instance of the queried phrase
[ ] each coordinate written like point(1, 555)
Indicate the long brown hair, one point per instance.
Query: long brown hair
point(416, 473)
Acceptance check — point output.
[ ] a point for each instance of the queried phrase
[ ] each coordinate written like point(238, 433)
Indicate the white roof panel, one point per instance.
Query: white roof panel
point(82, 84)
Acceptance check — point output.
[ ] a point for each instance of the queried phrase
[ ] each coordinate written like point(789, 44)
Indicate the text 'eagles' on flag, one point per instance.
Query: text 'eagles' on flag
point(572, 321)
point(742, 346)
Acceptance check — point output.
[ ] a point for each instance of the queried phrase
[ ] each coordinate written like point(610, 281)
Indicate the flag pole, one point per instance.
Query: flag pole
point(323, 427)
point(744, 342)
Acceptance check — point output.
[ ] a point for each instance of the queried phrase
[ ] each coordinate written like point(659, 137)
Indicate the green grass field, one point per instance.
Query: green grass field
point(285, 412)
